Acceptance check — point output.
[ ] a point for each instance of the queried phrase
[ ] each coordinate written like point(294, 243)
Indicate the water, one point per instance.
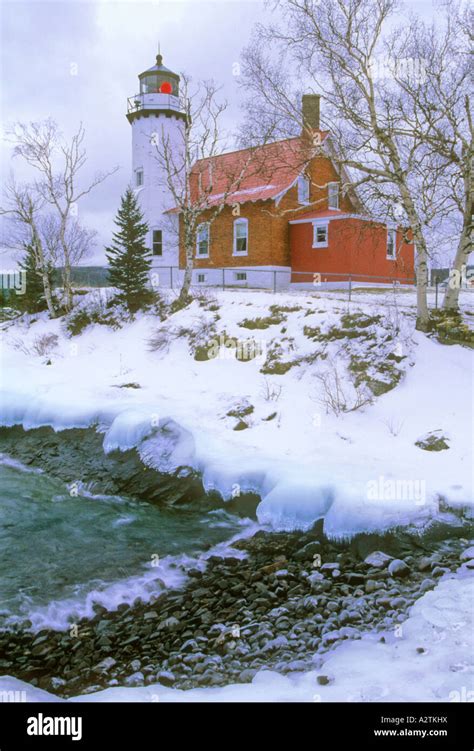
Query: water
point(60, 554)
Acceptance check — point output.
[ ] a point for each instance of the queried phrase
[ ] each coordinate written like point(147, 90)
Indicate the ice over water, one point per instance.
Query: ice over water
point(292, 496)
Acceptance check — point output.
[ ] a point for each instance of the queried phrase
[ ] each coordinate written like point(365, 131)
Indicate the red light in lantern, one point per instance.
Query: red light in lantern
point(165, 88)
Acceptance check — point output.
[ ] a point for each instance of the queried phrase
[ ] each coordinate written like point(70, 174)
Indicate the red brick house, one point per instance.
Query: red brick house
point(285, 218)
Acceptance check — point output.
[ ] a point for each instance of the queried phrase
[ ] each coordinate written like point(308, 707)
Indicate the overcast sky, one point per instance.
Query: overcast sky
point(79, 61)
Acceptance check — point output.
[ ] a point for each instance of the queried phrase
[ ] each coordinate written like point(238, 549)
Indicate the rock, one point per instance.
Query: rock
point(425, 564)
point(467, 554)
point(273, 644)
point(105, 665)
point(308, 552)
point(398, 602)
point(371, 586)
point(150, 615)
point(323, 680)
point(135, 665)
point(170, 624)
point(440, 570)
point(296, 666)
point(378, 559)
point(398, 568)
point(189, 645)
point(331, 636)
point(353, 578)
point(136, 679)
point(469, 564)
point(278, 612)
point(241, 425)
point(426, 585)
point(433, 441)
point(349, 632)
point(247, 675)
point(166, 678)
point(330, 566)
point(315, 579)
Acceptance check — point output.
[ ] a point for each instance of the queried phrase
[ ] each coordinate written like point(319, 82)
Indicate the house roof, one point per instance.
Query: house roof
point(309, 216)
point(254, 174)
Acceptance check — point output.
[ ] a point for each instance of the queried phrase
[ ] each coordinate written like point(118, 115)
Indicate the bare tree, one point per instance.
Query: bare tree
point(23, 214)
point(438, 105)
point(58, 165)
point(335, 46)
point(193, 171)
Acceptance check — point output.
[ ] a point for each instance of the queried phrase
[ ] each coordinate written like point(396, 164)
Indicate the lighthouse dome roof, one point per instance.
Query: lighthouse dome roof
point(159, 68)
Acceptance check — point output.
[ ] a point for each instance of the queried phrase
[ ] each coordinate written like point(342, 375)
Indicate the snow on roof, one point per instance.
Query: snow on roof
point(254, 174)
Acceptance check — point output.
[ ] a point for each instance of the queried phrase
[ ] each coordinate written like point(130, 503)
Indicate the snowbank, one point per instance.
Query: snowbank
point(303, 462)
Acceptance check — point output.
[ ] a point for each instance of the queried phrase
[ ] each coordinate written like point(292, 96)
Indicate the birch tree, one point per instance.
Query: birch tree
point(58, 165)
point(22, 212)
point(338, 47)
point(438, 104)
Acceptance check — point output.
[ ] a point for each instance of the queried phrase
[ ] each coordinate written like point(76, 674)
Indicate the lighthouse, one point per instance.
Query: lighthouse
point(157, 118)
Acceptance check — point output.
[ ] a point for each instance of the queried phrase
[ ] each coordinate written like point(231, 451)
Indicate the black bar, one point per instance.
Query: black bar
point(137, 725)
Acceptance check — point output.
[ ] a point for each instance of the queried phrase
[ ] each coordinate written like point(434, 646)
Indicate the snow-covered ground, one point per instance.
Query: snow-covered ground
point(360, 469)
point(429, 657)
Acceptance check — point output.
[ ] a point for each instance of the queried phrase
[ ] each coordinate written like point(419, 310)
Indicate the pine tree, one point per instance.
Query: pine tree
point(129, 258)
point(33, 300)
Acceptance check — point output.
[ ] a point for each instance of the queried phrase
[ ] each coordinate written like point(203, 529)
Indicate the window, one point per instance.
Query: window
point(202, 240)
point(201, 278)
point(157, 242)
point(241, 237)
point(303, 189)
point(391, 243)
point(241, 276)
point(333, 195)
point(320, 235)
point(139, 178)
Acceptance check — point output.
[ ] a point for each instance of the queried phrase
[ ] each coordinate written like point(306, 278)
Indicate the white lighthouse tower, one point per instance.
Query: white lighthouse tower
point(157, 118)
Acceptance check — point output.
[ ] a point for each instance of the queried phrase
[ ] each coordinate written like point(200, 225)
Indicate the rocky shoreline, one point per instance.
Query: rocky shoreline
point(76, 457)
point(294, 597)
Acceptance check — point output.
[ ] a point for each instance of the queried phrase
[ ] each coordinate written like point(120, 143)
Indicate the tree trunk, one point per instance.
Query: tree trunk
point(48, 293)
point(451, 297)
point(188, 276)
point(43, 268)
point(422, 312)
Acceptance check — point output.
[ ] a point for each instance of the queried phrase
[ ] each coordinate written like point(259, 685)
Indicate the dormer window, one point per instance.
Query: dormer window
point(333, 195)
point(303, 189)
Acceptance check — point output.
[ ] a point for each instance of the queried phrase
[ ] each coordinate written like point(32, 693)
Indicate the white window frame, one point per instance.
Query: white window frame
point(139, 171)
point(242, 221)
point(316, 226)
point(198, 254)
point(303, 189)
point(392, 232)
point(242, 273)
point(153, 230)
point(334, 187)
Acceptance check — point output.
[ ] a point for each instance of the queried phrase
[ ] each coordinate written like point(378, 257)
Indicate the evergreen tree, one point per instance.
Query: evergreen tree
point(129, 258)
point(33, 300)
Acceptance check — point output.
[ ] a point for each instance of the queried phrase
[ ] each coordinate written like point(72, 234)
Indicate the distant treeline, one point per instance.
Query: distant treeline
point(84, 276)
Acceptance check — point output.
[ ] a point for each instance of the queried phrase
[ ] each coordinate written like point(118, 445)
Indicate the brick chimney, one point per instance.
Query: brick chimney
point(310, 112)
